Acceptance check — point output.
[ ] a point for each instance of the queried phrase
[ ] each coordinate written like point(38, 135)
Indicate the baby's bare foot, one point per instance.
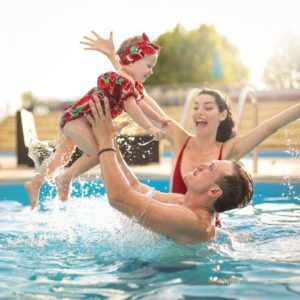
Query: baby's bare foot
point(33, 192)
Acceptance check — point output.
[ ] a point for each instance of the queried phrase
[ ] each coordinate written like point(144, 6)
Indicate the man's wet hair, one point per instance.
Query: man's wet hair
point(237, 189)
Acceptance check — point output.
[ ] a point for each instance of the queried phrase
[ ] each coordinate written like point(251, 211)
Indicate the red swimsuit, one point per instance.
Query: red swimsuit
point(111, 85)
point(178, 185)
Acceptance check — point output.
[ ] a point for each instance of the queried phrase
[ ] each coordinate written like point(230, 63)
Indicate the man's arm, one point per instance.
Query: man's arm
point(175, 221)
point(136, 185)
point(133, 181)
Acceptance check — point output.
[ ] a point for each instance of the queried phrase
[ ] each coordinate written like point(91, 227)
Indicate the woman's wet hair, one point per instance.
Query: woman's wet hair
point(226, 127)
point(128, 43)
point(237, 189)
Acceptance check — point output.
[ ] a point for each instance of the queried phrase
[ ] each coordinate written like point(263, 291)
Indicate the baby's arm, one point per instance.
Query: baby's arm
point(105, 46)
point(138, 116)
point(152, 114)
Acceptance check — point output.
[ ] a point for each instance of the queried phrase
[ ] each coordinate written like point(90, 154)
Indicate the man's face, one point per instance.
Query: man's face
point(204, 177)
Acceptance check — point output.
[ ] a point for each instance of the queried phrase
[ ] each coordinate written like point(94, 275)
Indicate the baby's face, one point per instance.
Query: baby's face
point(143, 68)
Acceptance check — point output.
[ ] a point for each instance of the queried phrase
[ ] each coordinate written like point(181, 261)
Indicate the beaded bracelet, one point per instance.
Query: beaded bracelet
point(106, 149)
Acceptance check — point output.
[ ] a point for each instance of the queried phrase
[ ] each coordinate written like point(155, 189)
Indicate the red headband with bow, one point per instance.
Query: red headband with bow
point(138, 51)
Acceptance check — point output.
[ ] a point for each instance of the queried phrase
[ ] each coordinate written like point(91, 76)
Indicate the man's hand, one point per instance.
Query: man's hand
point(105, 46)
point(101, 122)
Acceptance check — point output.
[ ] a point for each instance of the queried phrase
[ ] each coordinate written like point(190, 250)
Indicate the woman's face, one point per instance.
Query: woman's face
point(206, 115)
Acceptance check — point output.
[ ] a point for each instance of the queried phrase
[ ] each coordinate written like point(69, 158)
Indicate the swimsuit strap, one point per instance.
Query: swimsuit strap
point(182, 150)
point(220, 153)
point(178, 185)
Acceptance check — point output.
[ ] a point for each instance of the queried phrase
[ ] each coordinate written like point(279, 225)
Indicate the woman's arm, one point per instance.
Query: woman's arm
point(241, 145)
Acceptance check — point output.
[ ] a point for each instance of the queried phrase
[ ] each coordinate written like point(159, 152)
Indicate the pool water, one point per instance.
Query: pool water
point(84, 249)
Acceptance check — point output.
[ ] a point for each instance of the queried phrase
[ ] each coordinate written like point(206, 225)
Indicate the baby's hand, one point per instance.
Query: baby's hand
point(98, 43)
point(156, 132)
point(164, 122)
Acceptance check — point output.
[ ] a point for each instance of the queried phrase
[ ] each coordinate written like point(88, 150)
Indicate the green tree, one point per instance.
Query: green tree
point(193, 56)
point(283, 68)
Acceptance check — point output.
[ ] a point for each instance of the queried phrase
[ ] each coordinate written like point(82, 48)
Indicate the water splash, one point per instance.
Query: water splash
point(294, 153)
point(39, 151)
point(146, 143)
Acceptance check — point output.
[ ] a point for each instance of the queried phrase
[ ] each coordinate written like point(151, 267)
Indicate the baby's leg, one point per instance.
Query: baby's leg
point(81, 134)
point(60, 157)
point(33, 187)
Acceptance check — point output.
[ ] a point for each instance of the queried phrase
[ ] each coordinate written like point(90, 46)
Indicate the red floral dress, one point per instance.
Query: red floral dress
point(111, 85)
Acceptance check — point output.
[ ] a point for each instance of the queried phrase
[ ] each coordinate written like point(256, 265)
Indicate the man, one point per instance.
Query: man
point(189, 218)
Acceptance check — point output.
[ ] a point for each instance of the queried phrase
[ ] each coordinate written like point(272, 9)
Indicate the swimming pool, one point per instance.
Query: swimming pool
point(84, 249)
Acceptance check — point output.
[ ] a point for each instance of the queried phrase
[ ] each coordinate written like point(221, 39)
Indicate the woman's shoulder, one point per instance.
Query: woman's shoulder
point(181, 138)
point(228, 147)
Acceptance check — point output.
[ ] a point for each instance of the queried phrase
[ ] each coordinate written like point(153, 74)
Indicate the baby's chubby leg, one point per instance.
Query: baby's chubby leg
point(33, 188)
point(59, 158)
point(80, 132)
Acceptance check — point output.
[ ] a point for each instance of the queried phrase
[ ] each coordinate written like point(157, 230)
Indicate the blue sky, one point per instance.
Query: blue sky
point(40, 48)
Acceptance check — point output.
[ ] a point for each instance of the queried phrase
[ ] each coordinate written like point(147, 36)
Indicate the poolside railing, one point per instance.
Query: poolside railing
point(186, 107)
point(248, 93)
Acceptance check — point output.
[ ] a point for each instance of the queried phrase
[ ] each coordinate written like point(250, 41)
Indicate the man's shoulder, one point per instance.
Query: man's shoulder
point(206, 222)
point(200, 230)
point(171, 198)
